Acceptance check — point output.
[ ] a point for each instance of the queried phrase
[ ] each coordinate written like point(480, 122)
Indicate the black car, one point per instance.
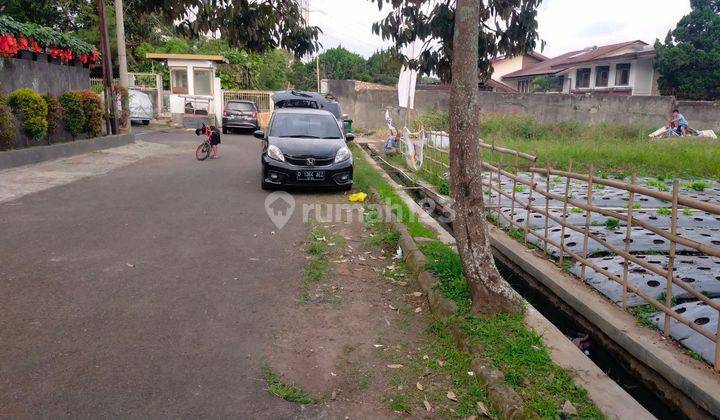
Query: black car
point(240, 114)
point(305, 148)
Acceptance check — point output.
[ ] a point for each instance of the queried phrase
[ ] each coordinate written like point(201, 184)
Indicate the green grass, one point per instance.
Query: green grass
point(287, 392)
point(687, 212)
point(643, 314)
point(664, 211)
point(317, 265)
point(660, 185)
point(366, 177)
point(519, 353)
point(612, 148)
point(612, 224)
point(698, 186)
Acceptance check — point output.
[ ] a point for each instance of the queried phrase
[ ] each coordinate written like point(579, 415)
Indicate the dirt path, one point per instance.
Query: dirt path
point(357, 337)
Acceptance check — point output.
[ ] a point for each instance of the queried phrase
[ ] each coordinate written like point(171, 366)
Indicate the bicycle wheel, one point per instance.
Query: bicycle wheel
point(203, 151)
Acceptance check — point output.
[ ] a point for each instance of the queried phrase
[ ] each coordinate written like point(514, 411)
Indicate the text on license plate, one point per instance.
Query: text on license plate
point(311, 175)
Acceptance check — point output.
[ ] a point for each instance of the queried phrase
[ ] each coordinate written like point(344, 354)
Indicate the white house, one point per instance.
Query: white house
point(195, 91)
point(619, 69)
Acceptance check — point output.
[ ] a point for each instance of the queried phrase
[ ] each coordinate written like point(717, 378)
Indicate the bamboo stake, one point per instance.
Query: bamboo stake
point(628, 238)
point(512, 200)
point(717, 346)
point(547, 205)
point(564, 216)
point(506, 151)
point(529, 205)
point(588, 215)
point(500, 196)
point(671, 256)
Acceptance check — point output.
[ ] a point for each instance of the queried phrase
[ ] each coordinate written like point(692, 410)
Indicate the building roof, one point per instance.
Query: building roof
point(198, 57)
point(571, 59)
point(533, 54)
point(499, 86)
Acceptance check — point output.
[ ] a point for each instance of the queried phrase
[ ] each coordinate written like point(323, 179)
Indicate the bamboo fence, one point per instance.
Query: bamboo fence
point(436, 164)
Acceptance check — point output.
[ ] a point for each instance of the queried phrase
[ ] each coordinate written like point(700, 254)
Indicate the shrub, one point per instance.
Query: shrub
point(55, 115)
point(93, 110)
point(73, 114)
point(7, 126)
point(32, 111)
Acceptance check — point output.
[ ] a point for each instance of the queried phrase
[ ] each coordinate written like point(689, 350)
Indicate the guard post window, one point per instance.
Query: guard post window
point(583, 78)
point(602, 74)
point(202, 81)
point(179, 80)
point(622, 74)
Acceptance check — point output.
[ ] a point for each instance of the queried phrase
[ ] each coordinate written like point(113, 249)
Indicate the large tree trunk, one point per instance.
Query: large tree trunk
point(490, 293)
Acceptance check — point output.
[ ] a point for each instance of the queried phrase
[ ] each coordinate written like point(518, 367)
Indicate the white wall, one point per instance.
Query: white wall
point(506, 66)
point(642, 73)
point(642, 79)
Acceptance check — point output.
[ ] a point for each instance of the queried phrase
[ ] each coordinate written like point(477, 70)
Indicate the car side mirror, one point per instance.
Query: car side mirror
point(349, 137)
point(259, 134)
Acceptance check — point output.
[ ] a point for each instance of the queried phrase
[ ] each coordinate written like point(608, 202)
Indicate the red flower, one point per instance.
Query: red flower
point(8, 45)
point(95, 56)
point(35, 46)
point(24, 44)
point(84, 58)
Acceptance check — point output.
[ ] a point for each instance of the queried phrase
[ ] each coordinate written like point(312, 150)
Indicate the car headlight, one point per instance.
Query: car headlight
point(342, 154)
point(275, 153)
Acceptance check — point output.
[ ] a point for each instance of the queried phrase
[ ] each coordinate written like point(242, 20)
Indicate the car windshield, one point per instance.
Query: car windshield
point(317, 126)
point(240, 106)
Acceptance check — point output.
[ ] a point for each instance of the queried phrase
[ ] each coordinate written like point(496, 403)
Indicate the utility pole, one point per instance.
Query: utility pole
point(317, 71)
point(120, 29)
point(111, 118)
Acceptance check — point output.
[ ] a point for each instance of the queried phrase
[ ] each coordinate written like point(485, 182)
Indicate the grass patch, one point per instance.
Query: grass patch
point(664, 211)
point(519, 353)
point(612, 148)
point(317, 265)
point(287, 392)
point(366, 177)
point(643, 314)
point(612, 224)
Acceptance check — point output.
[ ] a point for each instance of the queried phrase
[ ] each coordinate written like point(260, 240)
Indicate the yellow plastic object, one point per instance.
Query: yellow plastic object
point(357, 197)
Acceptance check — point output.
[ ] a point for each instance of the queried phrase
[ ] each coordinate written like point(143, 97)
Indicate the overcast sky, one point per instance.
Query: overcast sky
point(565, 25)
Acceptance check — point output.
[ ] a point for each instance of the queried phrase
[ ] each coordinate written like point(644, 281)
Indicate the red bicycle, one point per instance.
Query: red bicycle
point(212, 138)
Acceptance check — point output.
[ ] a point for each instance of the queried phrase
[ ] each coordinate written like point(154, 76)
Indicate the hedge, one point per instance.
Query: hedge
point(55, 115)
point(7, 125)
point(32, 110)
point(93, 110)
point(73, 114)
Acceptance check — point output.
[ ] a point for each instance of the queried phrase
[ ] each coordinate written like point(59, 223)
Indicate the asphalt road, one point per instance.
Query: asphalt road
point(150, 291)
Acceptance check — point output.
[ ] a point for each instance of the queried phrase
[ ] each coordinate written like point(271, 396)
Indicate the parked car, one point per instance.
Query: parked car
point(305, 147)
point(314, 100)
point(240, 114)
point(141, 107)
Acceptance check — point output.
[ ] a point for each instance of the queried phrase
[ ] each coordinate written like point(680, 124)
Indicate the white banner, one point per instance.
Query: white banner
point(408, 77)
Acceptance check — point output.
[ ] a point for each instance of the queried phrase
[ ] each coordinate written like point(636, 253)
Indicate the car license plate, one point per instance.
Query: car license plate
point(311, 175)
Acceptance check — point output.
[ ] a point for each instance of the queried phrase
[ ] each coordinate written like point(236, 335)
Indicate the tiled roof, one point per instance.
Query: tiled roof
point(568, 60)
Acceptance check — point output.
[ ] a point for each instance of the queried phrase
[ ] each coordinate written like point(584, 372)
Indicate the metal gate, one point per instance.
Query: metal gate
point(261, 98)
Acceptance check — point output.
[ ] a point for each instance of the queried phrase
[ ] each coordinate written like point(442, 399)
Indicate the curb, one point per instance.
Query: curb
point(37, 154)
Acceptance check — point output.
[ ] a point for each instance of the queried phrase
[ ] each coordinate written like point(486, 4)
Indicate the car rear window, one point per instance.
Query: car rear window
point(240, 106)
point(305, 125)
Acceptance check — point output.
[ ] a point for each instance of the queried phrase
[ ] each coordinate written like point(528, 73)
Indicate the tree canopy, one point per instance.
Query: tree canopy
point(507, 27)
point(338, 63)
point(252, 25)
point(689, 59)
